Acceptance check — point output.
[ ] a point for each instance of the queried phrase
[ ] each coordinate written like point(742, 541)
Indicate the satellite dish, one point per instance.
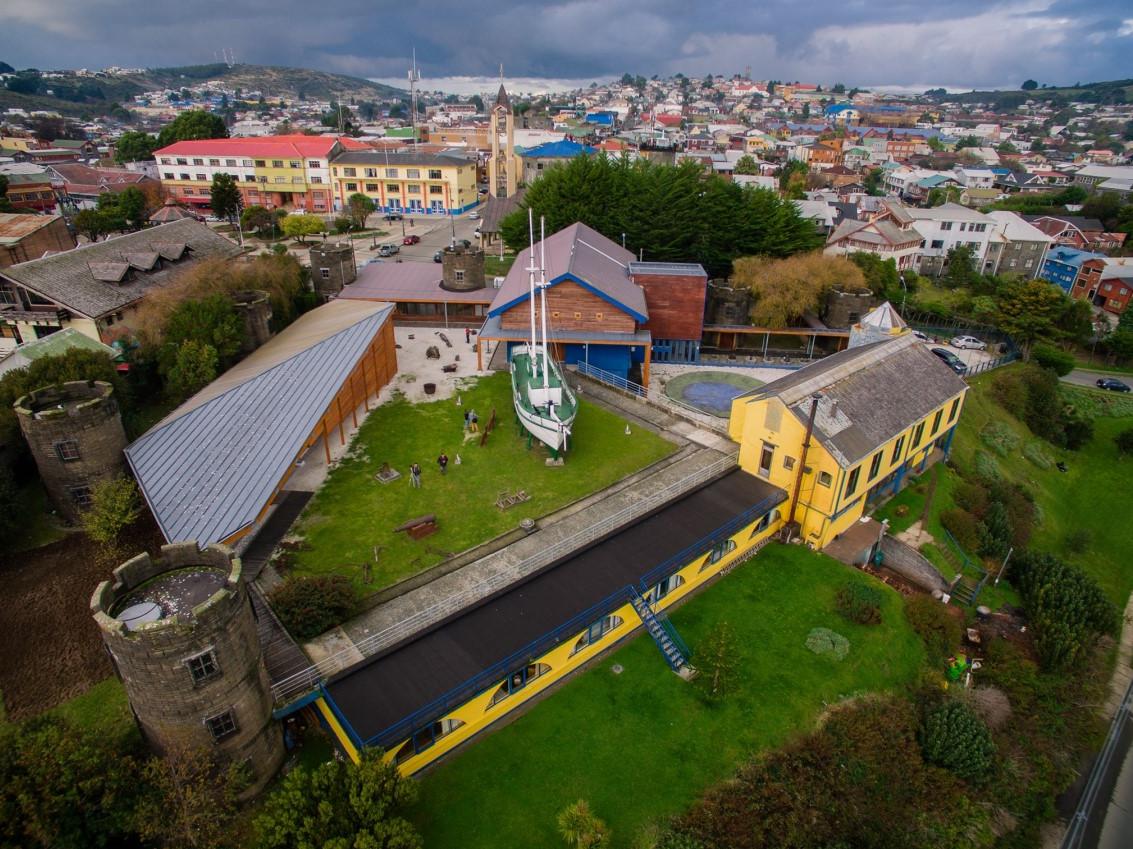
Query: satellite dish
point(137, 615)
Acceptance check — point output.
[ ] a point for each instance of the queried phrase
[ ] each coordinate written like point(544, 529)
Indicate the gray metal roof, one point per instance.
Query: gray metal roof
point(209, 467)
point(868, 394)
point(671, 269)
point(378, 157)
point(81, 280)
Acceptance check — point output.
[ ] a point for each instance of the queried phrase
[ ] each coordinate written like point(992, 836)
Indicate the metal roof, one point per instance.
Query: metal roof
point(209, 467)
point(673, 269)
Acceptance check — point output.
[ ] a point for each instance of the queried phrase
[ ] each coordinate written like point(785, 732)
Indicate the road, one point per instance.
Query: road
point(1086, 377)
point(435, 233)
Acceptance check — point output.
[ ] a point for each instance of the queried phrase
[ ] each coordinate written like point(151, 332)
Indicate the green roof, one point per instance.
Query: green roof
point(52, 346)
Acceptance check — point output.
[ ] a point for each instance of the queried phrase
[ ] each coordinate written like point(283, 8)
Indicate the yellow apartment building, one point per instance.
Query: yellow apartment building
point(409, 183)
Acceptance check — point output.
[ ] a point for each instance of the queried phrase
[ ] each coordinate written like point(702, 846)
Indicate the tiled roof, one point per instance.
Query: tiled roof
point(79, 279)
point(296, 145)
point(209, 467)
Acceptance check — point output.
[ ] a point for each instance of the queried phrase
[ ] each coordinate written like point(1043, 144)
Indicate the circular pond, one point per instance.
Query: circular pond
point(710, 391)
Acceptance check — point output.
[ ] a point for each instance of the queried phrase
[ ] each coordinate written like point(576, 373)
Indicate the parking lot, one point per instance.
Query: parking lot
point(969, 356)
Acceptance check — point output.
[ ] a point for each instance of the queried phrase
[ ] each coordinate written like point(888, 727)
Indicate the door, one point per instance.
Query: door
point(765, 458)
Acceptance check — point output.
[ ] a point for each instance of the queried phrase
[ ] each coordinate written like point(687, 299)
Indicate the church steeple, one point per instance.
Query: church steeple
point(502, 166)
point(502, 99)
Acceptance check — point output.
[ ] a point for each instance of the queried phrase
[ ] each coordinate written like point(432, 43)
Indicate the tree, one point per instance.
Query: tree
point(193, 798)
point(788, 170)
point(788, 289)
point(134, 146)
point(1029, 85)
point(961, 271)
point(124, 210)
point(302, 224)
point(193, 368)
point(1058, 361)
point(881, 275)
point(5, 202)
point(191, 125)
point(746, 164)
point(1028, 311)
point(340, 804)
point(114, 507)
point(360, 208)
point(1124, 441)
point(89, 223)
point(212, 321)
point(580, 828)
point(956, 739)
point(224, 197)
point(873, 181)
point(256, 218)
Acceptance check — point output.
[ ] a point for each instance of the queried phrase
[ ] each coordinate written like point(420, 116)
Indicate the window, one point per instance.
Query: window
point(181, 161)
point(518, 680)
point(189, 191)
point(852, 481)
point(324, 273)
point(719, 551)
point(183, 176)
point(167, 175)
point(936, 422)
point(413, 173)
point(662, 589)
point(596, 631)
point(200, 176)
point(578, 315)
point(963, 226)
point(248, 163)
point(874, 466)
point(214, 163)
point(426, 737)
point(393, 188)
point(351, 187)
point(277, 163)
point(955, 409)
point(202, 666)
point(372, 187)
point(434, 173)
point(67, 450)
point(897, 446)
point(937, 244)
point(824, 479)
point(277, 179)
point(349, 172)
point(436, 190)
point(979, 228)
point(391, 172)
point(413, 188)
point(599, 316)
point(261, 163)
point(251, 178)
point(314, 163)
point(295, 163)
point(945, 225)
point(766, 455)
point(459, 275)
point(918, 432)
point(81, 495)
point(230, 163)
point(788, 463)
point(316, 179)
point(198, 162)
point(221, 725)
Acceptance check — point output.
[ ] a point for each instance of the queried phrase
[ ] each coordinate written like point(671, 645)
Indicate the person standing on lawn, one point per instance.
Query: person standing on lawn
point(415, 476)
point(442, 461)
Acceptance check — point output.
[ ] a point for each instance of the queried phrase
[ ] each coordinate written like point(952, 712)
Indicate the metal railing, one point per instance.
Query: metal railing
point(294, 685)
point(657, 399)
point(988, 365)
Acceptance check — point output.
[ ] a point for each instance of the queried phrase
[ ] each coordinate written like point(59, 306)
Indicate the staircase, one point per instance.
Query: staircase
point(964, 591)
point(663, 633)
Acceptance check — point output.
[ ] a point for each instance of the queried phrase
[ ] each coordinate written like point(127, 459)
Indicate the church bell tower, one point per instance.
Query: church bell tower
point(502, 180)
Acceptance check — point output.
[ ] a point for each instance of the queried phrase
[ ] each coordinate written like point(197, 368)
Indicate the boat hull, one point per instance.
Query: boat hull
point(552, 429)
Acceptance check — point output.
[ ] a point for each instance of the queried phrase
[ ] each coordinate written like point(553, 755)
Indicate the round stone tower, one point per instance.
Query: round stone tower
point(183, 638)
point(727, 304)
point(463, 269)
point(76, 437)
point(254, 306)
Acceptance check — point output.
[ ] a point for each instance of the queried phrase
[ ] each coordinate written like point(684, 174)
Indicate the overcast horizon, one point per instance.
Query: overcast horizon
point(972, 44)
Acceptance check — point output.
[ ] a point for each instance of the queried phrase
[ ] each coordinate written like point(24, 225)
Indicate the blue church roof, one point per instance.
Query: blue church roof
point(1072, 256)
point(558, 150)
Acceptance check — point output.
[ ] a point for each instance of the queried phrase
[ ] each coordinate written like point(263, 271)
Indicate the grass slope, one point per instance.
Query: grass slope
point(353, 512)
point(642, 745)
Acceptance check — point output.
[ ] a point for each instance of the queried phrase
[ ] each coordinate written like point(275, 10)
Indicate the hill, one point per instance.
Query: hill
point(1109, 92)
point(75, 96)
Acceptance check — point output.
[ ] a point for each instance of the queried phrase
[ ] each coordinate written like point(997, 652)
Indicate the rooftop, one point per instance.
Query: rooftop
point(297, 145)
point(14, 226)
point(409, 281)
point(175, 593)
point(378, 157)
point(670, 269)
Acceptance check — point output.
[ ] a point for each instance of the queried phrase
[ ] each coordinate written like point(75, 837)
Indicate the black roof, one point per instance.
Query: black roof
point(386, 689)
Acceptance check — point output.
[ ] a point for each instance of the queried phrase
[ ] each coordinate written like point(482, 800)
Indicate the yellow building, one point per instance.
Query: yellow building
point(435, 690)
point(410, 183)
point(880, 410)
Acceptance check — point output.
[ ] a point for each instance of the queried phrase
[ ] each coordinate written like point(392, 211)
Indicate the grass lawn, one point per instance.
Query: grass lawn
point(494, 266)
point(103, 708)
point(1093, 493)
point(352, 513)
point(640, 746)
point(40, 526)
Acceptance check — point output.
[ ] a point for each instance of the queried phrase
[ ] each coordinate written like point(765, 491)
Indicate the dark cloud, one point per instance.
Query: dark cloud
point(967, 42)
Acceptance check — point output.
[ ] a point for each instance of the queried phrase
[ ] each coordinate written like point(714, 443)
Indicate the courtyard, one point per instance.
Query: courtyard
point(350, 526)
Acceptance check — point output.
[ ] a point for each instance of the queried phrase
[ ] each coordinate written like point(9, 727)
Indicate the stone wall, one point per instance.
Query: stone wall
point(75, 434)
point(152, 661)
point(911, 565)
point(254, 307)
point(728, 305)
point(470, 261)
point(844, 309)
point(332, 267)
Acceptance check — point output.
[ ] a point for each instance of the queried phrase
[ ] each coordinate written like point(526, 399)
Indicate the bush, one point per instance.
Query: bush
point(859, 603)
point(1066, 607)
point(310, 605)
point(1078, 541)
point(933, 623)
point(999, 437)
point(971, 496)
point(343, 225)
point(824, 641)
point(996, 531)
point(580, 828)
point(1077, 431)
point(1124, 441)
point(955, 738)
point(1033, 451)
point(1060, 362)
point(963, 526)
point(986, 468)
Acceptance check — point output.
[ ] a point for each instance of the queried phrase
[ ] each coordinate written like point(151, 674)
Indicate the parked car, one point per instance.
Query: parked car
point(1112, 384)
point(411, 240)
point(923, 337)
point(951, 360)
point(389, 250)
point(439, 256)
point(393, 216)
point(474, 215)
point(964, 342)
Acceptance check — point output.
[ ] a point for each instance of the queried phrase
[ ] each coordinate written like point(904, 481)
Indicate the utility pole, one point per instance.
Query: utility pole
point(1003, 568)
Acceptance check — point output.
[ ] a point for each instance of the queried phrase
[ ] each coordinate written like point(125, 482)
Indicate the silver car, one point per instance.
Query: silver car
point(964, 342)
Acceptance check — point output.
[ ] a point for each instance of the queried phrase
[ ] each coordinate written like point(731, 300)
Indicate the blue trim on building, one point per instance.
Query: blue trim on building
point(634, 314)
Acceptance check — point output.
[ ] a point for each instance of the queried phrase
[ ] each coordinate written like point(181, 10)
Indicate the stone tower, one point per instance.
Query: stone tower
point(254, 306)
point(502, 180)
point(182, 634)
point(463, 269)
point(332, 267)
point(75, 434)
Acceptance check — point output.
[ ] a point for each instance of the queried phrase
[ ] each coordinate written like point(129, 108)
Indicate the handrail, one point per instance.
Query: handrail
point(306, 679)
point(679, 408)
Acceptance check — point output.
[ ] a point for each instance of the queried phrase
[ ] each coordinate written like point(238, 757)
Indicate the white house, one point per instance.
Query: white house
point(975, 178)
point(946, 227)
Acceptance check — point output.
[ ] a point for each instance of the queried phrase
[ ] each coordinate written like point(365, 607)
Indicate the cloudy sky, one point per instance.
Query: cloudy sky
point(970, 43)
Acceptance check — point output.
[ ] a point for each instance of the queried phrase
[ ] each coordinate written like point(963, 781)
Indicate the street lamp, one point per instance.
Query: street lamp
point(904, 293)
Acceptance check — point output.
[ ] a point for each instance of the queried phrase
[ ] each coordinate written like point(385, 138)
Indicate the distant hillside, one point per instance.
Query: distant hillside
point(76, 96)
point(1111, 92)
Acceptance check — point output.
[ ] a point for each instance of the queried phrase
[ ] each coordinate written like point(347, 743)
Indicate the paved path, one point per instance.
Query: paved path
point(1089, 377)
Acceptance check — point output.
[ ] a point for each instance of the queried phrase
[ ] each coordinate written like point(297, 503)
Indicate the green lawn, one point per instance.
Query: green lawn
point(352, 513)
point(494, 266)
point(642, 745)
point(39, 526)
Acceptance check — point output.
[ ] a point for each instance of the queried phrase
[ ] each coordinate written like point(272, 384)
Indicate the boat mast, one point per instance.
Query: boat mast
point(531, 285)
point(543, 294)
